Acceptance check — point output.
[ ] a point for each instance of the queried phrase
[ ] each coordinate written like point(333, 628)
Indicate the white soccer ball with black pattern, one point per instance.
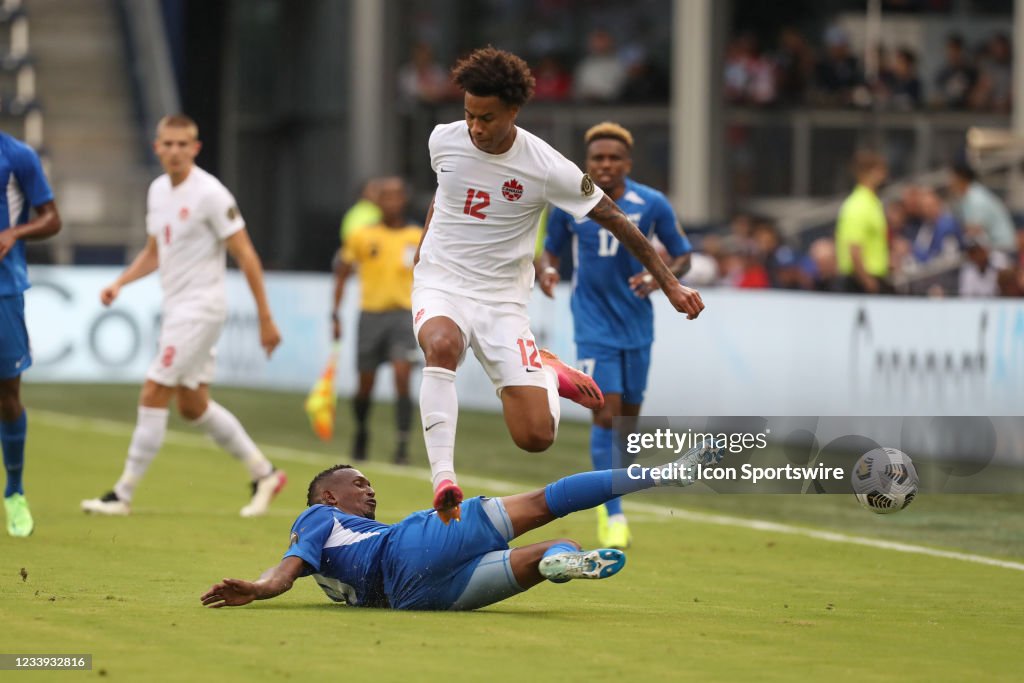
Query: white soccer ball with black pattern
point(884, 480)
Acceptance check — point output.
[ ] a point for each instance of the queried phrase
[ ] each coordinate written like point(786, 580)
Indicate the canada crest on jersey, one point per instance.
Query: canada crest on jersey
point(512, 189)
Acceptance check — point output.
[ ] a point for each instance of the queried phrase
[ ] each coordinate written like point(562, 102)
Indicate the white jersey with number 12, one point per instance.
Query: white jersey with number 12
point(480, 241)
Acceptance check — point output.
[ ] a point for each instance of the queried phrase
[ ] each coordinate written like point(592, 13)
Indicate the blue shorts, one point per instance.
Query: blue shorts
point(616, 371)
point(15, 355)
point(462, 565)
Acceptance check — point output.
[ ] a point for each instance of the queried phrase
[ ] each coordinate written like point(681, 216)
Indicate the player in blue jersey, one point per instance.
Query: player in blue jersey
point(612, 315)
point(25, 189)
point(423, 563)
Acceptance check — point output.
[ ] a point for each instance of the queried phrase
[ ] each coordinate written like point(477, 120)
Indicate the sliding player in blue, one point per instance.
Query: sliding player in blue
point(613, 318)
point(422, 563)
point(25, 190)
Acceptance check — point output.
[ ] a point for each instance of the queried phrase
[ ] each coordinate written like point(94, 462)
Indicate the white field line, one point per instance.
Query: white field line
point(122, 429)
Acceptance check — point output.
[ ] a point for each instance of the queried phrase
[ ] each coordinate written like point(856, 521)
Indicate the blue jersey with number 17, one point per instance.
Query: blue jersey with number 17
point(605, 310)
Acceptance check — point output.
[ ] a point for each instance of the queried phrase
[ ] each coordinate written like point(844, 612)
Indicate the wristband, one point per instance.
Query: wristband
point(550, 269)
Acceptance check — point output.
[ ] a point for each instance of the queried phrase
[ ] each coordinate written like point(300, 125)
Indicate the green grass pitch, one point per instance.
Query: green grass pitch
point(696, 601)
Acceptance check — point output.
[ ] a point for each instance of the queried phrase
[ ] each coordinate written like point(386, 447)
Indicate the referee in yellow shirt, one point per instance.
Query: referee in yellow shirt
point(862, 233)
point(383, 254)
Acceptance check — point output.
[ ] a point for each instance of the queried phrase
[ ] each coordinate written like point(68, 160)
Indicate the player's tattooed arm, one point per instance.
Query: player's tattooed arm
point(610, 216)
point(273, 582)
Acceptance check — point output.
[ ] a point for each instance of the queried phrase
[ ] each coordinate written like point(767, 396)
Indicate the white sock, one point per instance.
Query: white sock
point(554, 403)
point(439, 410)
point(224, 428)
point(618, 518)
point(148, 437)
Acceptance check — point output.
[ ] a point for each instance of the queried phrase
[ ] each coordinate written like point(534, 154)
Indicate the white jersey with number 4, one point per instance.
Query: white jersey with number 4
point(480, 241)
point(190, 223)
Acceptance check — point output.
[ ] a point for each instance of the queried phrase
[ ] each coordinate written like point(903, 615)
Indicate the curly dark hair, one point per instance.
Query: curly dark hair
point(490, 72)
point(313, 494)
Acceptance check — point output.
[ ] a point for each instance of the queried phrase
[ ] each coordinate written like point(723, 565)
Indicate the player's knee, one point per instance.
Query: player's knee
point(443, 350)
point(191, 410)
point(534, 438)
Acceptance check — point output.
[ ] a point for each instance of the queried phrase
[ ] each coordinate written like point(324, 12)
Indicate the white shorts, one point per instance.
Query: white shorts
point(498, 332)
point(186, 353)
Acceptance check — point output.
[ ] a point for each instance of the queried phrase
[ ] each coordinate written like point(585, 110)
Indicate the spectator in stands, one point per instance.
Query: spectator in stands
point(645, 80)
point(939, 234)
point(554, 82)
point(422, 79)
point(980, 211)
point(749, 75)
point(862, 244)
point(1011, 282)
point(794, 67)
point(900, 86)
point(993, 90)
point(956, 78)
point(979, 275)
point(601, 75)
point(820, 265)
point(839, 73)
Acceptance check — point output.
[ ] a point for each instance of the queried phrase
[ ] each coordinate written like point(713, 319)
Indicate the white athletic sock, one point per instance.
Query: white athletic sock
point(439, 409)
point(618, 518)
point(148, 437)
point(224, 428)
point(554, 403)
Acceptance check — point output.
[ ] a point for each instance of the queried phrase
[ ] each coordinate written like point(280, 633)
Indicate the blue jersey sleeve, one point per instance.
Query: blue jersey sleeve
point(29, 173)
point(558, 231)
point(309, 534)
point(666, 227)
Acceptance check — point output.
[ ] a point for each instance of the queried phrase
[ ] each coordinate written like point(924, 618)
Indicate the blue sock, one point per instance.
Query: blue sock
point(590, 489)
point(601, 458)
point(12, 437)
point(559, 548)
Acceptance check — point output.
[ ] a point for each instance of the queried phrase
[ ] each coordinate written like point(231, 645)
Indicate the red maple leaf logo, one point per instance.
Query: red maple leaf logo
point(512, 190)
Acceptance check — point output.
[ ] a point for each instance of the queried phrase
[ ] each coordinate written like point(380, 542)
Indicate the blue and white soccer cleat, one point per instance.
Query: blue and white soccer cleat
point(582, 564)
point(685, 467)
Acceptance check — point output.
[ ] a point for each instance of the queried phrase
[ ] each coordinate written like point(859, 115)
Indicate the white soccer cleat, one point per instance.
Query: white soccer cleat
point(582, 564)
point(685, 467)
point(109, 504)
point(263, 491)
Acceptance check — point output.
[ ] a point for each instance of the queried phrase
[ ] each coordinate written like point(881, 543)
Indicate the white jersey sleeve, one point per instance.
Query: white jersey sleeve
point(569, 188)
point(221, 212)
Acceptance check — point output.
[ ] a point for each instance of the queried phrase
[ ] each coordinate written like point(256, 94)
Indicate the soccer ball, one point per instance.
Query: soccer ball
point(884, 480)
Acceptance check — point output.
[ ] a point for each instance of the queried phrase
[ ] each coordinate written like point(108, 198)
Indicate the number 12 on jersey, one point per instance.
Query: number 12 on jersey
point(528, 350)
point(476, 202)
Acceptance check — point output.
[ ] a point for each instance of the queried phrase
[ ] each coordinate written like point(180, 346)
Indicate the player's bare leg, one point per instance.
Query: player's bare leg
point(196, 406)
point(361, 411)
point(443, 346)
point(528, 416)
point(13, 423)
point(403, 409)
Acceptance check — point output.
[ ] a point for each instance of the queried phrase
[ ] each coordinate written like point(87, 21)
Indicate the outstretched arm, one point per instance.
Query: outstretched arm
point(610, 216)
point(273, 582)
point(240, 247)
point(145, 263)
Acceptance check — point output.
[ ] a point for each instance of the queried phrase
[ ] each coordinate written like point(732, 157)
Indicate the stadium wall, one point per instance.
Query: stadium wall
point(750, 353)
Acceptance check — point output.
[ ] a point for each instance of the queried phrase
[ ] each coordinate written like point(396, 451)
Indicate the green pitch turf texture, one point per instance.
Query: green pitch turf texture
point(696, 601)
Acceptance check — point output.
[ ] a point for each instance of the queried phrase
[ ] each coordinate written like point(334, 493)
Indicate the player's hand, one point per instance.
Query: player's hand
point(549, 277)
point(230, 593)
point(109, 293)
point(685, 300)
point(335, 328)
point(643, 284)
point(7, 242)
point(269, 335)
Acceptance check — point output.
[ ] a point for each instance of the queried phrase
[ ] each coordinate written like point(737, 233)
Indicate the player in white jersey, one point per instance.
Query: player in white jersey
point(475, 270)
point(192, 222)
